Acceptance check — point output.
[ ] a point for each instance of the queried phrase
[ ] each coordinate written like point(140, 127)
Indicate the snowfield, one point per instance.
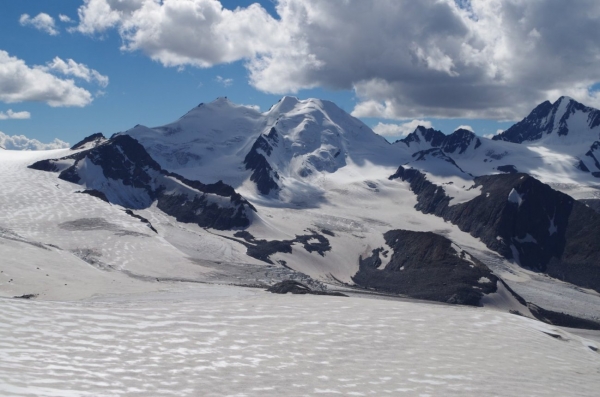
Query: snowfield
point(218, 341)
point(139, 304)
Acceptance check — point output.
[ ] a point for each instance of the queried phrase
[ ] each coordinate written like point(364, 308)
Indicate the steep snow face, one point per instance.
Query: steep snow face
point(311, 137)
point(208, 143)
point(280, 150)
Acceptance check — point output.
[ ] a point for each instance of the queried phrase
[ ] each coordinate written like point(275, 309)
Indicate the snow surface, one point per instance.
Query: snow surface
point(215, 341)
point(66, 246)
point(515, 197)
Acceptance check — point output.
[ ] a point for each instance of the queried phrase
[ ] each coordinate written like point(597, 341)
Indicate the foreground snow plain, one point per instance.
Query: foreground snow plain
point(219, 340)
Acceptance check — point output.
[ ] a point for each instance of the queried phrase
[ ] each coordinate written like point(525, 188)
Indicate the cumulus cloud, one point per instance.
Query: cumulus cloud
point(404, 59)
point(465, 127)
point(225, 82)
point(21, 142)
point(20, 82)
point(79, 70)
point(64, 18)
point(41, 21)
point(400, 129)
point(490, 136)
point(10, 114)
point(184, 32)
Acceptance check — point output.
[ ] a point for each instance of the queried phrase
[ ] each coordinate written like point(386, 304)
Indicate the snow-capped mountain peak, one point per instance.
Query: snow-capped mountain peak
point(565, 122)
point(292, 141)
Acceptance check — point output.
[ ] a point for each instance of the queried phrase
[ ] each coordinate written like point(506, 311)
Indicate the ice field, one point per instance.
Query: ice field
point(218, 341)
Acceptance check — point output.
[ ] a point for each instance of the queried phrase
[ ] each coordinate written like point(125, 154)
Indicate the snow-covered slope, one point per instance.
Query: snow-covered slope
point(311, 184)
point(279, 153)
point(227, 341)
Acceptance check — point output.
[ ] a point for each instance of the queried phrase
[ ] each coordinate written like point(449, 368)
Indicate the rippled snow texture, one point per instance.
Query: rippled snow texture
point(258, 344)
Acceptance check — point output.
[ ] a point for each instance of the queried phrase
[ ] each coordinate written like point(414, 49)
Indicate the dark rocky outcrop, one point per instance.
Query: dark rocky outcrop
point(425, 265)
point(519, 217)
point(457, 142)
point(581, 166)
point(592, 203)
point(297, 288)
point(509, 169)
point(134, 180)
point(263, 249)
point(95, 193)
point(562, 319)
point(594, 154)
point(434, 137)
point(26, 296)
point(262, 173)
point(142, 219)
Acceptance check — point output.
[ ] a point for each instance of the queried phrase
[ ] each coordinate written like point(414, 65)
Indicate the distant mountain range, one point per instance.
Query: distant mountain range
point(307, 187)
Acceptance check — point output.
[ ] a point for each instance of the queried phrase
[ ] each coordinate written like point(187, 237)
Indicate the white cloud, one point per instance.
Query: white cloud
point(225, 82)
point(10, 114)
point(19, 83)
point(42, 21)
point(464, 127)
point(490, 136)
point(253, 107)
point(184, 32)
point(64, 18)
point(79, 70)
point(405, 59)
point(400, 129)
point(20, 142)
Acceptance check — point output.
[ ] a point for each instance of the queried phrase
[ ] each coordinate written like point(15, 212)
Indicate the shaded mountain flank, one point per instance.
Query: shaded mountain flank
point(121, 171)
point(428, 266)
point(457, 142)
point(90, 141)
point(425, 265)
point(522, 219)
point(548, 117)
point(262, 173)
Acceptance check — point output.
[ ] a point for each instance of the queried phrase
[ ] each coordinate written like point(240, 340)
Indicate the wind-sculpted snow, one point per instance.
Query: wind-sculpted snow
point(215, 341)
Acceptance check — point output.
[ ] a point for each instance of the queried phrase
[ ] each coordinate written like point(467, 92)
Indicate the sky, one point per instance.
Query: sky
point(71, 68)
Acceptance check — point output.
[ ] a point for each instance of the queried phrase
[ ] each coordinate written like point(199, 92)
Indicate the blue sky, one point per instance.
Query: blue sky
point(378, 72)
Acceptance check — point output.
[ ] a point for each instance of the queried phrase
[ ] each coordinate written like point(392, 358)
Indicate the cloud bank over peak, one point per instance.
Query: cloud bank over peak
point(21, 142)
point(394, 130)
point(404, 59)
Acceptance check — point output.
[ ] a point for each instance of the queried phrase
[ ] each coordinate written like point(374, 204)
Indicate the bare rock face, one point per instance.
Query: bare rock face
point(262, 174)
point(297, 288)
point(425, 265)
point(523, 219)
